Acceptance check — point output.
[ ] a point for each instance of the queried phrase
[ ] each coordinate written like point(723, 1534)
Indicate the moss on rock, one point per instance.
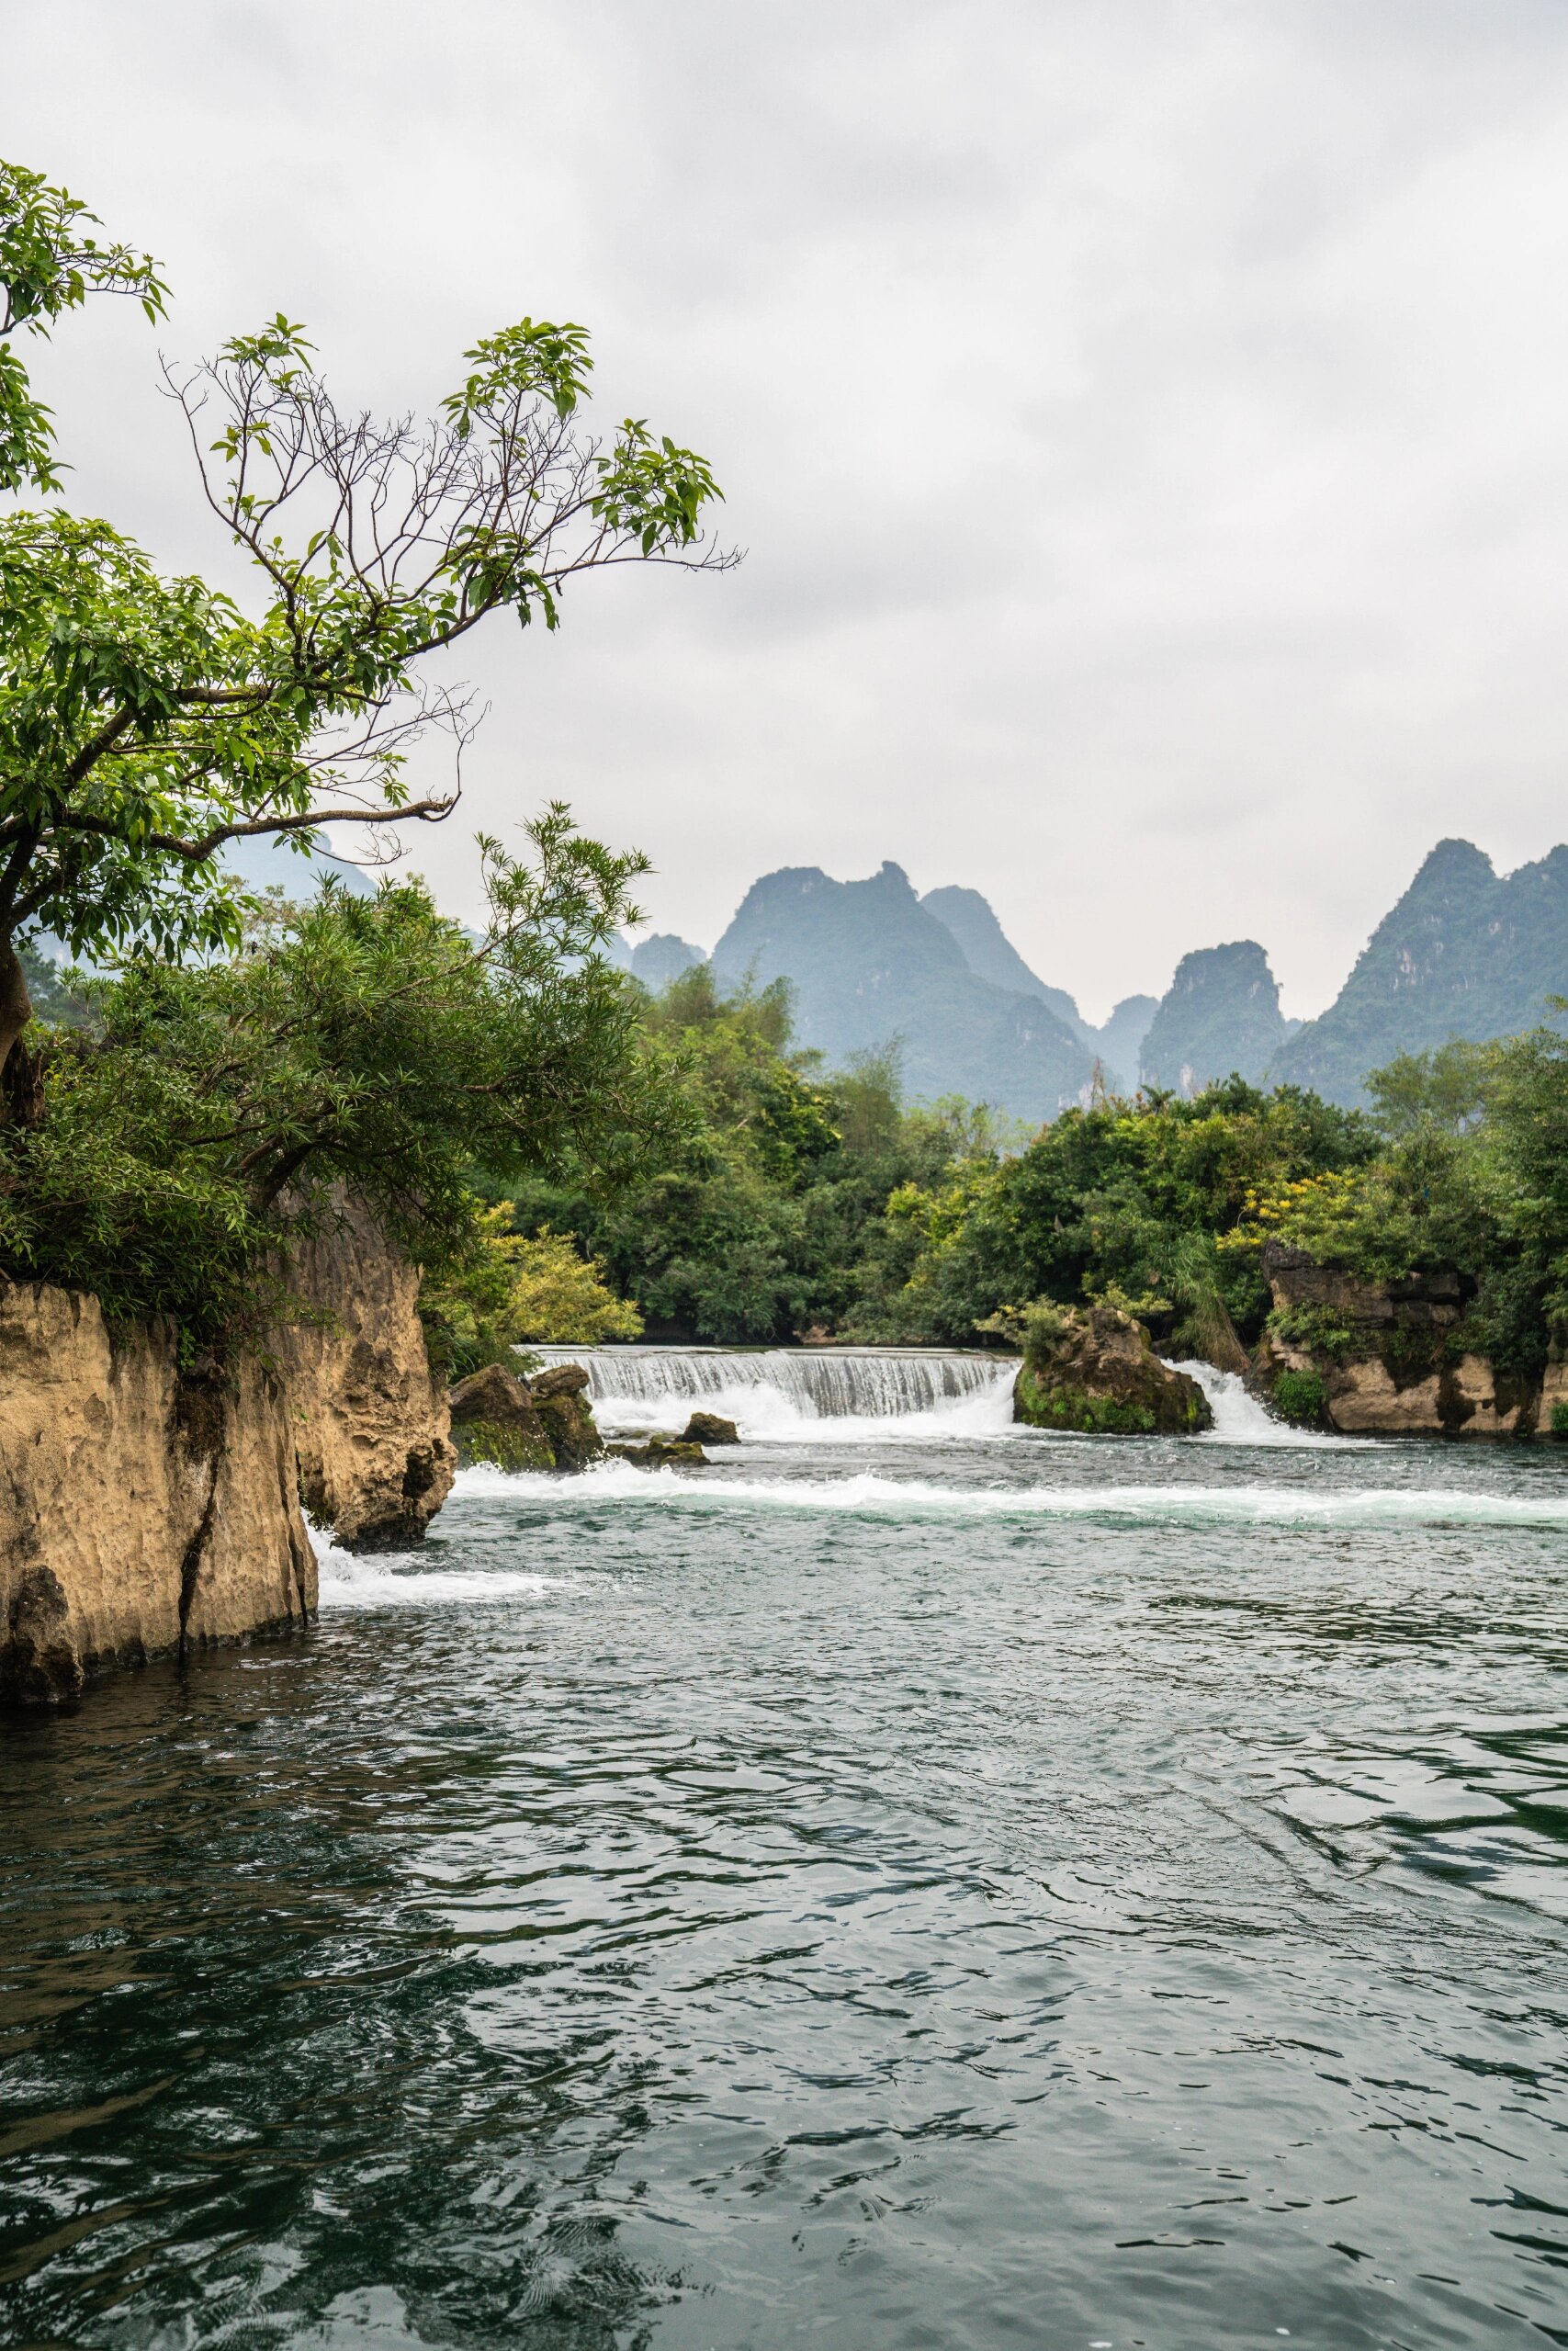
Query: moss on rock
point(1092, 1370)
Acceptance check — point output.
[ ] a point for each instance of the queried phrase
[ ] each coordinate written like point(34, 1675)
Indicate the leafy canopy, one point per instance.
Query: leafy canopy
point(767, 1220)
point(511, 1289)
point(50, 263)
point(145, 721)
point(369, 1044)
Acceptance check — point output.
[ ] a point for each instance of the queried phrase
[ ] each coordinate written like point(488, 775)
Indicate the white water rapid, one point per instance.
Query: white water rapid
point(784, 1394)
point(1241, 1419)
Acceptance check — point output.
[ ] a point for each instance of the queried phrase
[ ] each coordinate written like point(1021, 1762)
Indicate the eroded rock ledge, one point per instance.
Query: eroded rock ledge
point(141, 1509)
point(1389, 1358)
point(147, 1508)
point(372, 1430)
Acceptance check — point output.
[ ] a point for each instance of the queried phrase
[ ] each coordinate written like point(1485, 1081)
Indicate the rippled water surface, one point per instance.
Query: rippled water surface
point(993, 1892)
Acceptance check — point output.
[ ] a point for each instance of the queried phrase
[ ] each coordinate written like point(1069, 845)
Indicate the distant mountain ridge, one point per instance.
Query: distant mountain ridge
point(1465, 952)
point(991, 955)
point(870, 964)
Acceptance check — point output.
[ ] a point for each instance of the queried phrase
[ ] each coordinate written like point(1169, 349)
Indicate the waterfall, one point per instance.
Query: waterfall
point(1240, 1418)
point(798, 1392)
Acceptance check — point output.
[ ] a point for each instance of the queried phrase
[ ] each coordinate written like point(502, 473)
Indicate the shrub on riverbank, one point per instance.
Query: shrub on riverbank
point(770, 1219)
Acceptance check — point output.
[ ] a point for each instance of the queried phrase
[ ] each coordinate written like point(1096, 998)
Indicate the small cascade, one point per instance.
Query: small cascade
point(1240, 1418)
point(795, 1392)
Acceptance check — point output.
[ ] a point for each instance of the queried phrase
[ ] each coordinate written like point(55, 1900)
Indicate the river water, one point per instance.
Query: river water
point(913, 1884)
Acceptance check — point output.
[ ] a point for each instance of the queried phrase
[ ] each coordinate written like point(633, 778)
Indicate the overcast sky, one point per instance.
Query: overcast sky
point(1148, 423)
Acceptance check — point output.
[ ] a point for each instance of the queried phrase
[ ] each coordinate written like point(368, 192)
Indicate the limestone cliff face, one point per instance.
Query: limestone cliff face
point(145, 1510)
point(372, 1430)
point(1389, 1354)
point(140, 1510)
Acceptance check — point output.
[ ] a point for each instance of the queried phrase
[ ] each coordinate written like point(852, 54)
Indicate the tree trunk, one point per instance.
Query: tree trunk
point(21, 1077)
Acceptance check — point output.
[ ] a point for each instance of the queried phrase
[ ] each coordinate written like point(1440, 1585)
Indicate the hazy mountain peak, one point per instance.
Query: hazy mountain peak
point(989, 953)
point(661, 958)
point(1465, 952)
point(869, 963)
point(1454, 860)
point(1221, 1013)
point(1119, 1042)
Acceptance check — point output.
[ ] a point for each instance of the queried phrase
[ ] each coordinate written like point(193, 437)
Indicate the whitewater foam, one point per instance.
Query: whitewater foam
point(399, 1579)
point(1240, 1418)
point(868, 1493)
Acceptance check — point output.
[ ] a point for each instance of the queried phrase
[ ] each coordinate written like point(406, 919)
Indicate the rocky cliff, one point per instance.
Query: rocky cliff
point(147, 1507)
point(143, 1508)
point(869, 964)
point(1388, 1358)
point(371, 1427)
point(1466, 952)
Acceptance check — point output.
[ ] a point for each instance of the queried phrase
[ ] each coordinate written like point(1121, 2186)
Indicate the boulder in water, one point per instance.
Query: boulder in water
point(711, 1429)
point(572, 1431)
point(660, 1451)
point(1091, 1369)
point(559, 1399)
point(494, 1420)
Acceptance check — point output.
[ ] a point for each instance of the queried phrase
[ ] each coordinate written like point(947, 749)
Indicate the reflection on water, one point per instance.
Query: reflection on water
point(1013, 1892)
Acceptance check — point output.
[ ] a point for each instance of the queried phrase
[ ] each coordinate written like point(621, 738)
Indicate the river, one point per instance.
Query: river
point(914, 1884)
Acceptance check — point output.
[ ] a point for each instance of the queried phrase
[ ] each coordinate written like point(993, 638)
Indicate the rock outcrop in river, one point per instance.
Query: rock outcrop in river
point(516, 1424)
point(1092, 1369)
point(561, 1399)
point(494, 1421)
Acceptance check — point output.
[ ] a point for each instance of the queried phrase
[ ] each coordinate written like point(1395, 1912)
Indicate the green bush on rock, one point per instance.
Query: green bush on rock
point(1302, 1398)
point(209, 1113)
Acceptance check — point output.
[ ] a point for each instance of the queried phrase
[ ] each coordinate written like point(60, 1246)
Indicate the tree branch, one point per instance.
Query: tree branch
point(196, 852)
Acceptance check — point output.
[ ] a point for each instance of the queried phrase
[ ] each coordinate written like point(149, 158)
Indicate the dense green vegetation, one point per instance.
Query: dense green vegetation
point(1472, 1176)
point(207, 1112)
point(807, 1202)
point(804, 1200)
point(772, 1219)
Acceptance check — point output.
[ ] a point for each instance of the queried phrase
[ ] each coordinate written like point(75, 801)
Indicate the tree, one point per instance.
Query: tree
point(49, 264)
point(145, 722)
point(1446, 1089)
